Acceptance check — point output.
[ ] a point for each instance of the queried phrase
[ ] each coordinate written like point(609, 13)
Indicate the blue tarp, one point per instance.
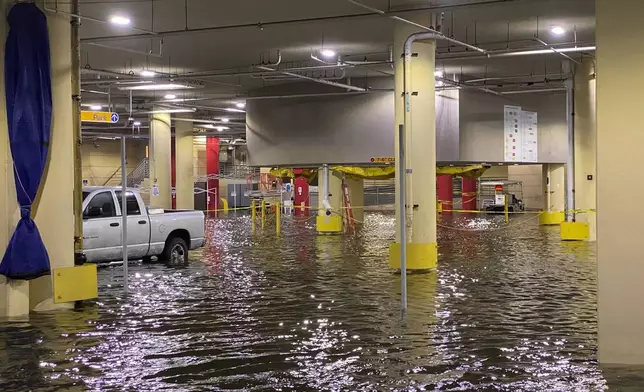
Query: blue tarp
point(28, 93)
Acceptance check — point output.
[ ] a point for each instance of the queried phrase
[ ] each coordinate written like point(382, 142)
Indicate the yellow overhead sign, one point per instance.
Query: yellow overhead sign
point(100, 117)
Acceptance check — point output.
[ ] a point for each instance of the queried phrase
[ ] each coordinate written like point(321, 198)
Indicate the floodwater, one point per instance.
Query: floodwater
point(507, 310)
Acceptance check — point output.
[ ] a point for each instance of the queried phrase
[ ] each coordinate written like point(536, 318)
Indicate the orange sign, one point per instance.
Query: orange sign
point(498, 188)
point(383, 160)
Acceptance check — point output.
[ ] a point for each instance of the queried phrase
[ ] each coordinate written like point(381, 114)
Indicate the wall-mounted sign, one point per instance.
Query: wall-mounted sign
point(100, 117)
point(383, 160)
point(521, 135)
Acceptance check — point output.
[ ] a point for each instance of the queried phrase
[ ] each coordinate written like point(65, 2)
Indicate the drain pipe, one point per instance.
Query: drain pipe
point(325, 185)
point(570, 119)
point(79, 257)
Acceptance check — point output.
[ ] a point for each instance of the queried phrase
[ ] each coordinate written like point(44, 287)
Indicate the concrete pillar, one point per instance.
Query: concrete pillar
point(421, 154)
point(469, 192)
point(356, 197)
point(554, 189)
point(445, 186)
point(620, 138)
point(160, 164)
point(53, 213)
point(183, 153)
point(586, 146)
point(329, 221)
point(301, 200)
point(212, 171)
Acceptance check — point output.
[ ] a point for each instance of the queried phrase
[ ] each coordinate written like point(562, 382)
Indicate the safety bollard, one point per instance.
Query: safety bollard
point(253, 214)
point(506, 210)
point(278, 218)
point(263, 213)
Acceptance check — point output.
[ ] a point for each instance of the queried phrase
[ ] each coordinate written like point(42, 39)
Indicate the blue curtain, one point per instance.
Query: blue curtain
point(28, 93)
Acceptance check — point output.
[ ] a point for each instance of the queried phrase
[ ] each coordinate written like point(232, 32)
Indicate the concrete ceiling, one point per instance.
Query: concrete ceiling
point(208, 35)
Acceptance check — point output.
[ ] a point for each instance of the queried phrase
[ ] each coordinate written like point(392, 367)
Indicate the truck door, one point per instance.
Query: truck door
point(101, 228)
point(138, 226)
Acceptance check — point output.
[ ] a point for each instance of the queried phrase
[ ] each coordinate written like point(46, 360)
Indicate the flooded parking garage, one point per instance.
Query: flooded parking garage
point(510, 308)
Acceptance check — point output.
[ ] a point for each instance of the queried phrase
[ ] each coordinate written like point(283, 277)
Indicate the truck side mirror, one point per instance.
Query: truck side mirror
point(94, 212)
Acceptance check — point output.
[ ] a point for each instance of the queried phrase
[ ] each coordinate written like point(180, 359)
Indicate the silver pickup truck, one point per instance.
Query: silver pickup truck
point(166, 234)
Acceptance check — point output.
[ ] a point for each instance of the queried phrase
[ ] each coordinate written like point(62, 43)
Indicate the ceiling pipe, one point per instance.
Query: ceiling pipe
point(529, 91)
point(547, 45)
point(262, 25)
point(455, 83)
point(516, 53)
point(491, 79)
point(429, 30)
point(316, 80)
point(143, 53)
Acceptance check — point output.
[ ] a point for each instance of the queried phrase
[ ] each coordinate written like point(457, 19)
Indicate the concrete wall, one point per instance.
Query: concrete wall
point(337, 129)
point(102, 159)
point(533, 188)
point(481, 125)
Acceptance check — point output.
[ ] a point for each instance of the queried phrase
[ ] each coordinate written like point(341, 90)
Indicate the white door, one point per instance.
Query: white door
point(101, 228)
point(138, 227)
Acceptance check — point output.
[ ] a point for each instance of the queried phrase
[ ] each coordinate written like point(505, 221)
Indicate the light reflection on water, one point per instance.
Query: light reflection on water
point(507, 310)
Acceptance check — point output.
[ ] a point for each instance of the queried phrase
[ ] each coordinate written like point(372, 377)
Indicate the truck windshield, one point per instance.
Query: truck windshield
point(85, 194)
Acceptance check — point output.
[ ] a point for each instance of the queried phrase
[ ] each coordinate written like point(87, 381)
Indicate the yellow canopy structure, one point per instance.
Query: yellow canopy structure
point(382, 173)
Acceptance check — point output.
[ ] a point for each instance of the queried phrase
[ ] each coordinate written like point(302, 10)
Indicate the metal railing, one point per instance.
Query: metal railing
point(139, 174)
point(228, 170)
point(379, 192)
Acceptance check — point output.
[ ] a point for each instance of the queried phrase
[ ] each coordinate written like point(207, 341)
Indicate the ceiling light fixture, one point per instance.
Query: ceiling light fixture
point(438, 74)
point(234, 110)
point(137, 123)
point(240, 105)
point(557, 30)
point(96, 107)
point(156, 87)
point(170, 96)
point(327, 53)
point(220, 129)
point(120, 20)
point(225, 119)
point(146, 73)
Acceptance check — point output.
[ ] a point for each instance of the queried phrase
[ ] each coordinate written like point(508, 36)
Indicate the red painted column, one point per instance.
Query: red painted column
point(469, 192)
point(173, 173)
point(212, 169)
point(445, 193)
point(301, 196)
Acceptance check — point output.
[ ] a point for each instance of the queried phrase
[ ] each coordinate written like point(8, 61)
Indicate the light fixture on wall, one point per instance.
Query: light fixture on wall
point(557, 30)
point(120, 20)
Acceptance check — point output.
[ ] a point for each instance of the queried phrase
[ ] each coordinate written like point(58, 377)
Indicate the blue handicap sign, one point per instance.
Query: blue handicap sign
point(288, 187)
point(115, 117)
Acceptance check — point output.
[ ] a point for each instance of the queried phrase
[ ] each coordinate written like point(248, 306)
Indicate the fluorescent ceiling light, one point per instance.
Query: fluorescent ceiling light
point(240, 105)
point(156, 87)
point(146, 73)
point(545, 51)
point(120, 20)
point(235, 110)
point(557, 30)
point(225, 119)
point(172, 111)
point(327, 53)
point(220, 129)
point(438, 74)
point(96, 107)
point(137, 123)
point(170, 96)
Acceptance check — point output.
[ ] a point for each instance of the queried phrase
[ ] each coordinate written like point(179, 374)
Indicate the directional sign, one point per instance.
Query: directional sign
point(100, 117)
point(383, 160)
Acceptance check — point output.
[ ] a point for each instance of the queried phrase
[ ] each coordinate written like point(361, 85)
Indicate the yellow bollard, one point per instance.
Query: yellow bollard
point(253, 214)
point(263, 213)
point(278, 218)
point(506, 210)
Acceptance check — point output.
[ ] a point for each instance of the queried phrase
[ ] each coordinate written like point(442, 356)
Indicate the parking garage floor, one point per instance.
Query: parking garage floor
point(509, 309)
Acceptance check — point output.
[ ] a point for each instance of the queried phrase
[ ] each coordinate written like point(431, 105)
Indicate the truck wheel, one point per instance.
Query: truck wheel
point(176, 252)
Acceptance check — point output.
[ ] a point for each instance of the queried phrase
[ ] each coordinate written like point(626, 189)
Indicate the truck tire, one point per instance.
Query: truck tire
point(175, 252)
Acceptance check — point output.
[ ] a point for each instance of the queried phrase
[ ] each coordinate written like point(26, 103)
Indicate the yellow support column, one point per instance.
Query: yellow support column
point(253, 214)
point(356, 198)
point(422, 253)
point(184, 162)
point(586, 146)
point(278, 218)
point(620, 83)
point(263, 213)
point(329, 219)
point(160, 163)
point(554, 180)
